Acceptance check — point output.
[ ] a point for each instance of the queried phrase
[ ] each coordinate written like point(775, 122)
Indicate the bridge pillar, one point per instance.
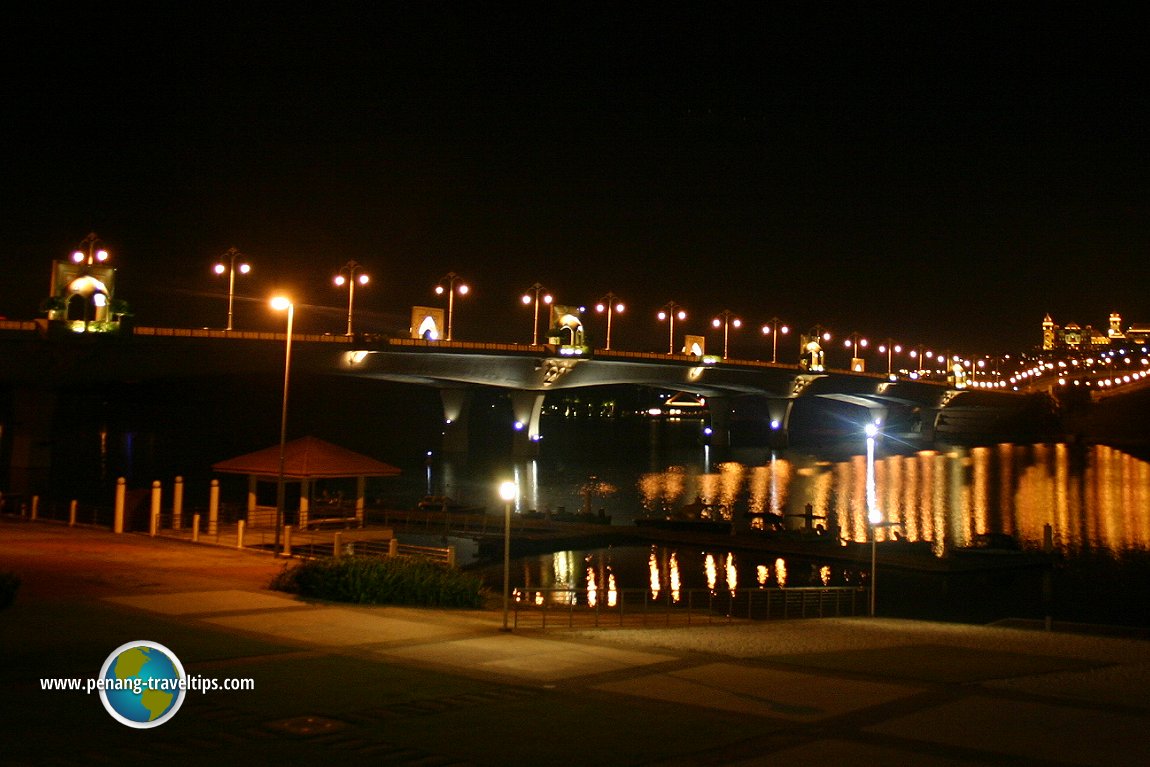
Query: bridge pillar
point(780, 413)
point(527, 407)
point(30, 439)
point(456, 406)
point(720, 410)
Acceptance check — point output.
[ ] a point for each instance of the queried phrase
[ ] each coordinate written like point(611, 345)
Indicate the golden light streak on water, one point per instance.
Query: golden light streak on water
point(780, 572)
point(676, 580)
point(825, 575)
point(592, 589)
point(980, 490)
point(731, 476)
point(612, 590)
point(538, 597)
point(758, 490)
point(653, 567)
point(711, 572)
point(732, 573)
point(762, 575)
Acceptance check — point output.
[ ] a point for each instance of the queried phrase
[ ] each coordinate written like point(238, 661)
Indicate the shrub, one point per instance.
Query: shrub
point(8, 585)
point(372, 580)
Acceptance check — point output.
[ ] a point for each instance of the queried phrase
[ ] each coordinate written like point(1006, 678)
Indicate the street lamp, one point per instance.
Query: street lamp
point(772, 328)
point(347, 276)
point(670, 312)
point(853, 342)
point(508, 491)
point(280, 303)
point(540, 293)
point(611, 304)
point(93, 255)
point(231, 269)
point(890, 347)
point(451, 278)
point(725, 320)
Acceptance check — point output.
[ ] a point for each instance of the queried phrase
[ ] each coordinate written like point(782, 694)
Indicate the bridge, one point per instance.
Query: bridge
point(34, 365)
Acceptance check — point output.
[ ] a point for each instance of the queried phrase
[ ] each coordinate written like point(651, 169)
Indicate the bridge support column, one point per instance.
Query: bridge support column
point(720, 409)
point(456, 405)
point(527, 407)
point(30, 439)
point(780, 413)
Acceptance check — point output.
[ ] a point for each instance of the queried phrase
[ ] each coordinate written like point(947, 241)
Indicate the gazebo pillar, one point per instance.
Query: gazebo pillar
point(360, 485)
point(304, 502)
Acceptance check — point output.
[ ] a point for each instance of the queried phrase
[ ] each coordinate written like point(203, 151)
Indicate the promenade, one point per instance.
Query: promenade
point(384, 685)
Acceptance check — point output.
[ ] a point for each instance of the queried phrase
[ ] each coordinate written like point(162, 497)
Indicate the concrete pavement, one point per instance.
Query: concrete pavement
point(389, 685)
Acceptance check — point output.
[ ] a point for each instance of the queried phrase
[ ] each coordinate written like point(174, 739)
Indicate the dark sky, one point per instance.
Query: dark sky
point(943, 173)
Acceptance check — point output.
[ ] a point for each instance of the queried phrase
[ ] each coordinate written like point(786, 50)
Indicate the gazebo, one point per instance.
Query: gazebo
point(306, 460)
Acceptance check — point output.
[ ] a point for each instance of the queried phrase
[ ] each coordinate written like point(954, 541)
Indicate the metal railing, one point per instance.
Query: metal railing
point(638, 608)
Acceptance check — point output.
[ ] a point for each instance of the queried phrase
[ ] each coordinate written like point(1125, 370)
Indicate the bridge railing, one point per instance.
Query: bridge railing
point(238, 335)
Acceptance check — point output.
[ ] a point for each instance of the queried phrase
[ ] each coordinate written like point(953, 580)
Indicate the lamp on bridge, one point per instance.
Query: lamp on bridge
point(348, 276)
point(889, 348)
point(773, 328)
point(231, 268)
point(453, 286)
point(669, 312)
point(535, 294)
point(853, 342)
point(92, 255)
point(280, 303)
point(726, 320)
point(508, 491)
point(610, 304)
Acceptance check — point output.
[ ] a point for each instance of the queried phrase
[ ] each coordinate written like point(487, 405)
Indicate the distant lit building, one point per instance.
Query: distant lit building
point(1075, 337)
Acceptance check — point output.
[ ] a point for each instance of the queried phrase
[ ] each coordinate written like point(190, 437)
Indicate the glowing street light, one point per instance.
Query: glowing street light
point(725, 320)
point(508, 491)
point(610, 304)
point(347, 276)
point(231, 268)
point(773, 328)
point(92, 255)
point(853, 342)
point(889, 348)
point(280, 303)
point(453, 286)
point(669, 312)
point(535, 294)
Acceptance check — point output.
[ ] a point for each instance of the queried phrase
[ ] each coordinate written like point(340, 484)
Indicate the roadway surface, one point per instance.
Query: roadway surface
point(381, 685)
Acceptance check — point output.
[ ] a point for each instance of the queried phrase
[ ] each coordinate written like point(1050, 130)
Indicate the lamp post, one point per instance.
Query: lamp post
point(812, 344)
point(610, 304)
point(773, 328)
point(725, 320)
point(452, 279)
point(231, 269)
point(280, 303)
point(853, 342)
point(670, 312)
point(890, 347)
point(508, 491)
point(347, 276)
point(91, 255)
point(535, 294)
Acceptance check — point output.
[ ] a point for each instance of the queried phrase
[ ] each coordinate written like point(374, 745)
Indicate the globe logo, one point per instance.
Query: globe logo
point(142, 684)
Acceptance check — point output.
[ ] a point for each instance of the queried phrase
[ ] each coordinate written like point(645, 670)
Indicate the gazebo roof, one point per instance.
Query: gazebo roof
point(307, 458)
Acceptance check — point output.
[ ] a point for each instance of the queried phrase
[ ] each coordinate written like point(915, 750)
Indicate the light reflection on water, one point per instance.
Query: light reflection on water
point(1093, 498)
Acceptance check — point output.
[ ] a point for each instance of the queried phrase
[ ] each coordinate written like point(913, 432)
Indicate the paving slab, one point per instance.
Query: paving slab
point(332, 626)
point(191, 602)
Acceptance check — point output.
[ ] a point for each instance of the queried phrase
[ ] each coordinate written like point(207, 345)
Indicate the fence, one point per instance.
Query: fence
point(634, 608)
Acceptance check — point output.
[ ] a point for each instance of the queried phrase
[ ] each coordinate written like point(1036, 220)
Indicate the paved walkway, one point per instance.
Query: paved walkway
point(381, 685)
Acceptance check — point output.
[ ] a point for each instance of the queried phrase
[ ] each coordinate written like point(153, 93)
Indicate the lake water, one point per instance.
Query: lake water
point(1094, 499)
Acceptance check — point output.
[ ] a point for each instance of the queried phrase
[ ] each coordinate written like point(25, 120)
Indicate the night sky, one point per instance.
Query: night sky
point(941, 173)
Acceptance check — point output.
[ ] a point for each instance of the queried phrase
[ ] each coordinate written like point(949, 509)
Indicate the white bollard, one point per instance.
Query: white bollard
point(287, 540)
point(336, 544)
point(214, 508)
point(178, 503)
point(118, 514)
point(154, 517)
point(195, 528)
point(72, 513)
point(240, 534)
point(35, 506)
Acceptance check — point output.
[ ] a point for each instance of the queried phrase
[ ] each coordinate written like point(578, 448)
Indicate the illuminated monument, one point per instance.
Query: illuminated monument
point(81, 295)
point(1074, 337)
